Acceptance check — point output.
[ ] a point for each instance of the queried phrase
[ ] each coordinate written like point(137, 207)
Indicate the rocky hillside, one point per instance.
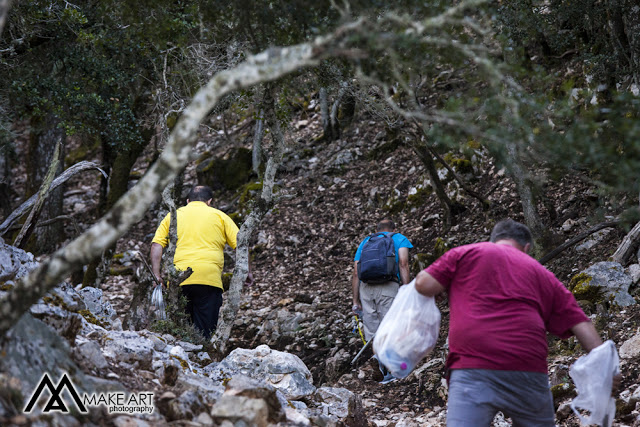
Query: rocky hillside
point(294, 337)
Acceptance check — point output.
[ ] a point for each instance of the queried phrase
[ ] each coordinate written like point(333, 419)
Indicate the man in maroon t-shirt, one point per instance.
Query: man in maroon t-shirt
point(502, 302)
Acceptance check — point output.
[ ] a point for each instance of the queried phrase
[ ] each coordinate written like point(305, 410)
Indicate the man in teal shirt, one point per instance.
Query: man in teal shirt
point(374, 300)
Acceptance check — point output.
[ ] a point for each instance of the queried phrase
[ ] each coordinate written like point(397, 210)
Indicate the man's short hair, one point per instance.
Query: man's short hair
point(386, 225)
point(510, 229)
point(200, 193)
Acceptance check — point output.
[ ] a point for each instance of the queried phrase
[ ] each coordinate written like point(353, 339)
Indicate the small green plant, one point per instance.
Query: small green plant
point(178, 323)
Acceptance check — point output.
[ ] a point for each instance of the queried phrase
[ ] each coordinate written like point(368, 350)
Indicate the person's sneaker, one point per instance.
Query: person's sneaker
point(388, 378)
point(377, 374)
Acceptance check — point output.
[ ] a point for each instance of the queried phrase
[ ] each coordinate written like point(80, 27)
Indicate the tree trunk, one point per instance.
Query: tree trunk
point(340, 118)
point(5, 182)
point(4, 11)
point(541, 238)
point(42, 142)
point(343, 110)
point(631, 20)
point(449, 207)
point(118, 185)
point(229, 310)
point(258, 134)
point(324, 113)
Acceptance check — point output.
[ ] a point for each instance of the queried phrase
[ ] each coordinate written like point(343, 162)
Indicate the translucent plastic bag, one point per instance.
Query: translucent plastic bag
point(408, 332)
point(157, 301)
point(593, 376)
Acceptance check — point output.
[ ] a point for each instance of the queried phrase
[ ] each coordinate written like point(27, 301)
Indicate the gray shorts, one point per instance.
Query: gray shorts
point(476, 395)
point(376, 301)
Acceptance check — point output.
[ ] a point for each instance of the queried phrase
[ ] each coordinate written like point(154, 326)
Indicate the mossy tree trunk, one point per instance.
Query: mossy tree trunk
point(42, 142)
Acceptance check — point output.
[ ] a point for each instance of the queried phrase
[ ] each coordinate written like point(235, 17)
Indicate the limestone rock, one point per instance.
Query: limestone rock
point(186, 407)
point(99, 308)
point(343, 404)
point(127, 421)
point(90, 353)
point(129, 347)
point(606, 278)
point(254, 412)
point(284, 371)
point(32, 349)
point(67, 324)
point(14, 262)
point(241, 385)
point(208, 387)
point(634, 272)
point(630, 349)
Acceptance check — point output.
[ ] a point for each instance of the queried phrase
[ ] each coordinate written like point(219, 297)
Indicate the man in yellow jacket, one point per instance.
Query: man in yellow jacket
point(203, 233)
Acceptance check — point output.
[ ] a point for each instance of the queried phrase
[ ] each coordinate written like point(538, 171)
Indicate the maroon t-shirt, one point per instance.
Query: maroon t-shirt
point(501, 304)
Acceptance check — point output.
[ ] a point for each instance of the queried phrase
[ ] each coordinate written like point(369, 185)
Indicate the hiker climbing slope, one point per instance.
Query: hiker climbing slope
point(502, 303)
point(381, 265)
point(203, 233)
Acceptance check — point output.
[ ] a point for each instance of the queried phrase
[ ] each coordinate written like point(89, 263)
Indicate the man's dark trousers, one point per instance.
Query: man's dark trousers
point(203, 305)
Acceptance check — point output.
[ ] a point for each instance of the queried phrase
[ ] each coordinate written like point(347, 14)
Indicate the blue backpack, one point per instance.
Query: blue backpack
point(378, 260)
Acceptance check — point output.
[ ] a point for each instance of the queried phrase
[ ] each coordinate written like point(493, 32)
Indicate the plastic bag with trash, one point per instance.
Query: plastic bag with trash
point(408, 332)
point(593, 376)
point(157, 301)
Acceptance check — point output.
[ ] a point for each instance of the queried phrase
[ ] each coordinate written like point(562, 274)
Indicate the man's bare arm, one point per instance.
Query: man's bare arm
point(156, 259)
point(403, 264)
point(587, 335)
point(427, 285)
point(355, 286)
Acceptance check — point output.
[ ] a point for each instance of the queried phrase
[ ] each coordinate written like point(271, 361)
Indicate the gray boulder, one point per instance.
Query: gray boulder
point(630, 349)
point(66, 323)
point(241, 385)
point(14, 262)
point(241, 410)
point(32, 349)
point(342, 405)
point(100, 309)
point(284, 371)
point(186, 407)
point(89, 354)
point(604, 278)
point(129, 347)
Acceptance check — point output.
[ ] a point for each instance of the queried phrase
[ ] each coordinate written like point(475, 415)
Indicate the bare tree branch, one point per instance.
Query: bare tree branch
point(557, 251)
point(41, 196)
point(61, 179)
point(130, 208)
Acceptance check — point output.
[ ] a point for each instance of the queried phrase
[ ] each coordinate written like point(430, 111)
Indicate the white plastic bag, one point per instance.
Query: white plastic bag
point(593, 376)
point(408, 332)
point(157, 301)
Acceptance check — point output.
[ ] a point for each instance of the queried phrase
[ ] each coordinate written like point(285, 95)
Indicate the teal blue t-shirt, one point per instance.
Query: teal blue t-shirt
point(399, 241)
